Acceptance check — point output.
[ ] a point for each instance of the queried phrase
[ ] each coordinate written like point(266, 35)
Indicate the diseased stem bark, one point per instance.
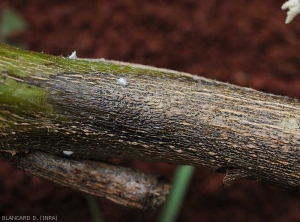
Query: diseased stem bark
point(118, 184)
point(54, 104)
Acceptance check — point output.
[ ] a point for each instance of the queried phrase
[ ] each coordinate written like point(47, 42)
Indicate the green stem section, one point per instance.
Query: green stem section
point(94, 208)
point(174, 202)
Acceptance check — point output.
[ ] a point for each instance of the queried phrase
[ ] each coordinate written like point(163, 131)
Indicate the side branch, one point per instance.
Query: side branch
point(118, 184)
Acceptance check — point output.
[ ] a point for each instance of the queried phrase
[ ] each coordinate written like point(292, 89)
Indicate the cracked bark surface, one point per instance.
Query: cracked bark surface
point(158, 115)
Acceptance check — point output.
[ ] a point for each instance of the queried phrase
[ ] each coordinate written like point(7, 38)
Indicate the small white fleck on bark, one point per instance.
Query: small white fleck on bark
point(68, 152)
point(122, 81)
point(73, 55)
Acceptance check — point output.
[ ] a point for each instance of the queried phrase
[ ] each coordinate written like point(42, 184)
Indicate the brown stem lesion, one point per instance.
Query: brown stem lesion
point(158, 115)
point(121, 185)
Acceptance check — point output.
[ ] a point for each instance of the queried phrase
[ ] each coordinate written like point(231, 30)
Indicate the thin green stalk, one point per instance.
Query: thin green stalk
point(174, 202)
point(94, 208)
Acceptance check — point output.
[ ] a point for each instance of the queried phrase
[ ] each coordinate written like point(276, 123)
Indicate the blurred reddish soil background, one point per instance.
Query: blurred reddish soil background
point(242, 42)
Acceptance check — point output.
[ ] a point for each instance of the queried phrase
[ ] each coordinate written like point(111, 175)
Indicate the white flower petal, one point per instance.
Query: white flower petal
point(294, 9)
point(287, 5)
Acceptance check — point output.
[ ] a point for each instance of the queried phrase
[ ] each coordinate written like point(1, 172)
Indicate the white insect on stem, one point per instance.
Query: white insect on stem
point(122, 81)
point(293, 7)
point(73, 55)
point(68, 152)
